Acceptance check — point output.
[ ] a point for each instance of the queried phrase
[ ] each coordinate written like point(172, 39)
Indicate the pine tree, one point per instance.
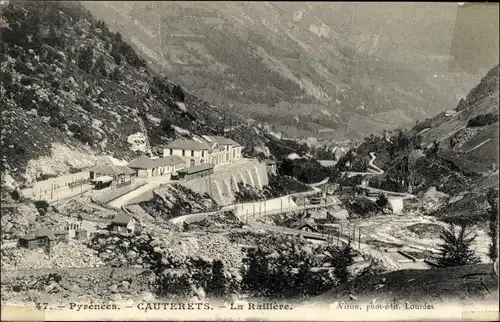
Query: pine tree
point(456, 247)
point(218, 285)
point(382, 201)
point(341, 260)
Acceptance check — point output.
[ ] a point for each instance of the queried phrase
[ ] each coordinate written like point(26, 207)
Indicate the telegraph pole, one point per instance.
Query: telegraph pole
point(353, 232)
point(359, 237)
point(52, 192)
point(340, 232)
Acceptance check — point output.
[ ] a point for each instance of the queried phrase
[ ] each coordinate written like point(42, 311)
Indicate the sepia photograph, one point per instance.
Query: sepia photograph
point(249, 160)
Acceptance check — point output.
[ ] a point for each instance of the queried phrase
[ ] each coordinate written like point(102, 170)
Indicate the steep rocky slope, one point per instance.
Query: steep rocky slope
point(73, 90)
point(294, 65)
point(457, 152)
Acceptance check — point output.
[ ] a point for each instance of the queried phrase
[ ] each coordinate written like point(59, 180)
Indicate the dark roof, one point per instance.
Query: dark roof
point(112, 170)
point(187, 145)
point(198, 168)
point(142, 162)
point(42, 232)
point(170, 160)
point(302, 222)
point(121, 219)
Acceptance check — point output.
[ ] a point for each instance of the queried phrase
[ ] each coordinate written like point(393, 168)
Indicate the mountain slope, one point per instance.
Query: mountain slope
point(456, 152)
point(436, 286)
point(73, 91)
point(281, 63)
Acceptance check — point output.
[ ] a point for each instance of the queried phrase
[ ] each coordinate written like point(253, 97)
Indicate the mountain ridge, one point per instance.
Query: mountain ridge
point(307, 63)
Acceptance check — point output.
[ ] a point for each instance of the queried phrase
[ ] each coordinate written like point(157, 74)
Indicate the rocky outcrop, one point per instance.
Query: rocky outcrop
point(76, 285)
point(74, 254)
point(462, 137)
point(164, 250)
point(175, 200)
point(17, 221)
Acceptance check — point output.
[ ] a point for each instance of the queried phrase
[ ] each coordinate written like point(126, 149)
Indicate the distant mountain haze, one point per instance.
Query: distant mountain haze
point(342, 70)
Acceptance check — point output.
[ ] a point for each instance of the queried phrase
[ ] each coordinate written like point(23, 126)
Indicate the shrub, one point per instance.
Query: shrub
point(15, 195)
point(55, 122)
point(75, 128)
point(42, 206)
point(178, 93)
point(483, 120)
point(85, 59)
point(85, 137)
point(87, 106)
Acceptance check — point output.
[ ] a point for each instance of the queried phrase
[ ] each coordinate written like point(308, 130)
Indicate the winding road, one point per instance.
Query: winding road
point(374, 171)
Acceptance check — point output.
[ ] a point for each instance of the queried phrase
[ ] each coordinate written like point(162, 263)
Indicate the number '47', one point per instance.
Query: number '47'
point(41, 306)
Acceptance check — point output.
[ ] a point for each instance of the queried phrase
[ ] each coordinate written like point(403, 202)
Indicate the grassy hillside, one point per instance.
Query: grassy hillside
point(438, 285)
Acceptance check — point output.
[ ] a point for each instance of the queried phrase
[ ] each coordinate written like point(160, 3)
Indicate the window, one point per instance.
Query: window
point(203, 153)
point(171, 152)
point(183, 153)
point(41, 241)
point(192, 153)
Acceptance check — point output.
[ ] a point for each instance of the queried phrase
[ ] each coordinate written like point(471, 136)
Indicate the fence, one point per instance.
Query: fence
point(78, 183)
point(103, 197)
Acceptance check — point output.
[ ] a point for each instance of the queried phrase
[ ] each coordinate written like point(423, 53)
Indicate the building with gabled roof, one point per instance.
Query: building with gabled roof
point(305, 224)
point(142, 162)
point(154, 166)
point(205, 149)
point(144, 166)
point(123, 223)
point(42, 237)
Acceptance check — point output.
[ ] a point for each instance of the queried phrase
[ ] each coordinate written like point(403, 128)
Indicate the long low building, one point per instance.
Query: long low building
point(111, 175)
point(201, 170)
point(151, 167)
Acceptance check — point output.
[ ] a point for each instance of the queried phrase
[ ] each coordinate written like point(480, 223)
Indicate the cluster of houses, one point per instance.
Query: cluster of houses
point(181, 158)
point(46, 238)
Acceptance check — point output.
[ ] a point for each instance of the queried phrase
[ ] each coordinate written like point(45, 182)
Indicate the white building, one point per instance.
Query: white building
point(205, 149)
point(449, 113)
